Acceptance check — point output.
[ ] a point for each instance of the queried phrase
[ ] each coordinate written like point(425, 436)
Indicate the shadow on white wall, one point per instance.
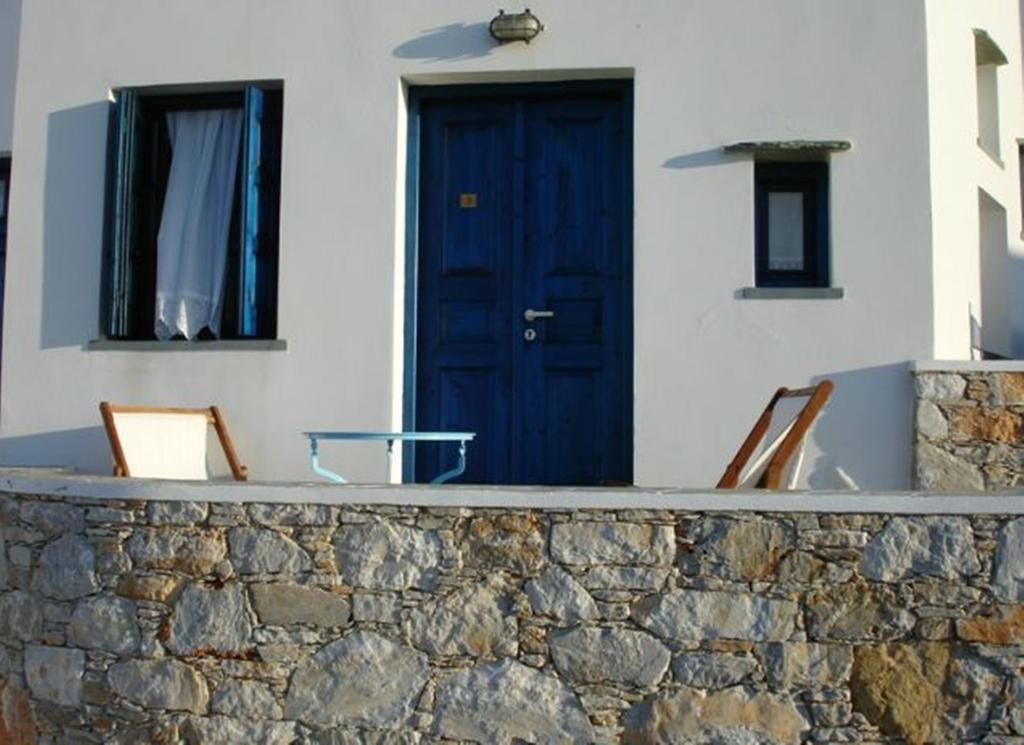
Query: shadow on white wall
point(456, 41)
point(83, 448)
point(853, 429)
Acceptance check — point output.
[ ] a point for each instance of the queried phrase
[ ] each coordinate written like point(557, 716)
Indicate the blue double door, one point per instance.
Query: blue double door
point(523, 284)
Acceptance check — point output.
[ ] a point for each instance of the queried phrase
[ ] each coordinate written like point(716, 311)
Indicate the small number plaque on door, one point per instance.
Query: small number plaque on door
point(467, 201)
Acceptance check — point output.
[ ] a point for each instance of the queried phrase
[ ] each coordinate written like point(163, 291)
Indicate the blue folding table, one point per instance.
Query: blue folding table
point(390, 437)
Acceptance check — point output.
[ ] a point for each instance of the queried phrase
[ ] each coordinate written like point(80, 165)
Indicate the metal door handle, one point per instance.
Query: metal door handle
point(530, 315)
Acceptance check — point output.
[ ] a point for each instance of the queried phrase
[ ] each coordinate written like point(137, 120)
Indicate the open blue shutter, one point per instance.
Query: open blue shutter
point(121, 232)
point(249, 267)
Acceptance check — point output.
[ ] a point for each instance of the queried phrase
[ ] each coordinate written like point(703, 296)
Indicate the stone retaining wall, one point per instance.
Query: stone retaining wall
point(173, 622)
point(968, 430)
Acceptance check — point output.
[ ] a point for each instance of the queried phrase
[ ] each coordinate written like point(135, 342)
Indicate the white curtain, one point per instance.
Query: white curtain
point(192, 245)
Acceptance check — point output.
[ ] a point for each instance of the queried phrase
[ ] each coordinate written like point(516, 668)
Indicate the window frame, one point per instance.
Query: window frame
point(811, 179)
point(250, 302)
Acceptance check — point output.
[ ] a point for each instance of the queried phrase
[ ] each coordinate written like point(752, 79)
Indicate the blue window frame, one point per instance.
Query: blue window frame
point(139, 162)
point(791, 225)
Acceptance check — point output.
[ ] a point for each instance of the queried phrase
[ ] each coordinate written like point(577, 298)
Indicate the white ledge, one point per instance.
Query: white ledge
point(965, 366)
point(27, 481)
point(212, 345)
point(792, 293)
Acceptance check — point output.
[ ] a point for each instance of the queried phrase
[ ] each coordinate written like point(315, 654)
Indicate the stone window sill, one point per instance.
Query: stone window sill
point(792, 293)
point(222, 345)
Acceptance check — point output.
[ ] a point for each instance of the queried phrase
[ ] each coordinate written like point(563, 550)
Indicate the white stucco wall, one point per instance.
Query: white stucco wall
point(960, 168)
point(706, 74)
point(10, 21)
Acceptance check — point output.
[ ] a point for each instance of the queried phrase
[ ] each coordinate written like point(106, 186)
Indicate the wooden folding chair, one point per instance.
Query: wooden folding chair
point(777, 454)
point(166, 443)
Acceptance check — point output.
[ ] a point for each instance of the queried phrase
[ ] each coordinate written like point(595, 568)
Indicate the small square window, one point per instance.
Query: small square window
point(193, 201)
point(791, 224)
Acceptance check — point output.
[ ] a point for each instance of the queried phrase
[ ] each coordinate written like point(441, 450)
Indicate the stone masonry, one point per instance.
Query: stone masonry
point(969, 430)
point(139, 622)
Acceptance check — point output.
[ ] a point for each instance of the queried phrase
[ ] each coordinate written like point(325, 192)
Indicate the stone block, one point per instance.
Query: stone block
point(650, 579)
point(219, 730)
point(805, 665)
point(387, 556)
point(940, 386)
point(376, 607)
point(292, 514)
point(612, 543)
point(208, 620)
point(745, 550)
point(67, 568)
point(476, 620)
point(105, 622)
point(698, 614)
point(265, 551)
point(613, 656)
point(930, 421)
point(898, 687)
point(177, 513)
point(941, 547)
point(731, 716)
point(53, 518)
point(194, 551)
point(350, 736)
point(21, 616)
point(362, 680)
point(109, 516)
point(245, 699)
point(160, 684)
point(938, 469)
point(830, 714)
point(505, 702)
point(973, 688)
point(284, 604)
point(156, 588)
point(1003, 628)
point(970, 423)
point(513, 542)
point(1008, 580)
point(850, 612)
point(1009, 388)
point(557, 594)
point(54, 674)
point(712, 670)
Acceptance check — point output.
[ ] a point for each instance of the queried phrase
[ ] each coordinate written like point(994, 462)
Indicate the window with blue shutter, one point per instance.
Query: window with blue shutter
point(139, 164)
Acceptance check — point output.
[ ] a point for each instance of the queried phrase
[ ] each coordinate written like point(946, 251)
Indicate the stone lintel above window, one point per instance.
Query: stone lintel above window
point(789, 147)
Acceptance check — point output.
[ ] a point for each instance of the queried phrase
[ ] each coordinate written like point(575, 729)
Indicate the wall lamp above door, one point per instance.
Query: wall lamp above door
point(515, 26)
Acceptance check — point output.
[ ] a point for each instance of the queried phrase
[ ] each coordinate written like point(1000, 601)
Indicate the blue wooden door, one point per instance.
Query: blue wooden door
point(524, 206)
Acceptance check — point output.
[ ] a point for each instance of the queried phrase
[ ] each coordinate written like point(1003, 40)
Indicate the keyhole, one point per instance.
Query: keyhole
point(529, 334)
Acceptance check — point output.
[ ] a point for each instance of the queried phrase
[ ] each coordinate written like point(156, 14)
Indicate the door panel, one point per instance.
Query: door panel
point(523, 204)
point(465, 252)
point(574, 258)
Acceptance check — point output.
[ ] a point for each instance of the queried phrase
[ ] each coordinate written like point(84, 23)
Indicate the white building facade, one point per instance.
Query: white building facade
point(896, 124)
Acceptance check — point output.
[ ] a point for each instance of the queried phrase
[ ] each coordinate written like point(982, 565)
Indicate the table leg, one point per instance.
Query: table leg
point(320, 470)
point(458, 470)
point(387, 473)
